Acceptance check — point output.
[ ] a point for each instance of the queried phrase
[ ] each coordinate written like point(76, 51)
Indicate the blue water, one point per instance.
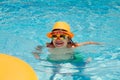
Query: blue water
point(24, 24)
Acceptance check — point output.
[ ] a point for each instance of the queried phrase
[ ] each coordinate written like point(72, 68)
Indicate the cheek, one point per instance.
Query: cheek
point(53, 42)
point(65, 42)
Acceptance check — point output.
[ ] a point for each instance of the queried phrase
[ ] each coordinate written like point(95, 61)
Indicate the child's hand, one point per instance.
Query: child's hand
point(37, 52)
point(36, 55)
point(39, 48)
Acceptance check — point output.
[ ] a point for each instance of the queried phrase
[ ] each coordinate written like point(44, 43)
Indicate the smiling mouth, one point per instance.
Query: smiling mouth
point(59, 44)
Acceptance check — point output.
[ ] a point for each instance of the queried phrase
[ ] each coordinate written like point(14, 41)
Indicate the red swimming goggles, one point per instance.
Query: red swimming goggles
point(56, 32)
point(59, 35)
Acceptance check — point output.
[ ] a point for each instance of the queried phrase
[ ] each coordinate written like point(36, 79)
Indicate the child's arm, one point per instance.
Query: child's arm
point(37, 52)
point(87, 43)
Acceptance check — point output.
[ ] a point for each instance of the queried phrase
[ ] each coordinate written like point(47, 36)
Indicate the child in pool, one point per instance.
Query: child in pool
point(61, 47)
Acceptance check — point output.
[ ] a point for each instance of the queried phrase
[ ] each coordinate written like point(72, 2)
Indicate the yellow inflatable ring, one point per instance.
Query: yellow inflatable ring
point(12, 68)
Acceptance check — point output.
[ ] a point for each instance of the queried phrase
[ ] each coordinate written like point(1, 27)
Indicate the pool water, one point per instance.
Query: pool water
point(24, 24)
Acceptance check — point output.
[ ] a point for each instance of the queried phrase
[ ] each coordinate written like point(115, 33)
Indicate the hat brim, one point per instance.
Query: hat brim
point(71, 35)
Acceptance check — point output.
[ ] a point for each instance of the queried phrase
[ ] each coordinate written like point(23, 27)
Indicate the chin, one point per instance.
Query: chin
point(60, 46)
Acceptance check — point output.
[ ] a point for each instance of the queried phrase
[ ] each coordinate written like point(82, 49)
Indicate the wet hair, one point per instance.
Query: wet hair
point(71, 43)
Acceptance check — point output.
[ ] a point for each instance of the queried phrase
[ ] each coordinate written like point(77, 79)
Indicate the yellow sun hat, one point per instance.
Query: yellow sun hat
point(62, 26)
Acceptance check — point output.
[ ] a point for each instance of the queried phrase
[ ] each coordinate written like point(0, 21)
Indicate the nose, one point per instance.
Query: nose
point(58, 38)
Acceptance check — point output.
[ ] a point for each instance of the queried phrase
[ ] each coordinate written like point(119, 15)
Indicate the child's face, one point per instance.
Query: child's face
point(60, 40)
